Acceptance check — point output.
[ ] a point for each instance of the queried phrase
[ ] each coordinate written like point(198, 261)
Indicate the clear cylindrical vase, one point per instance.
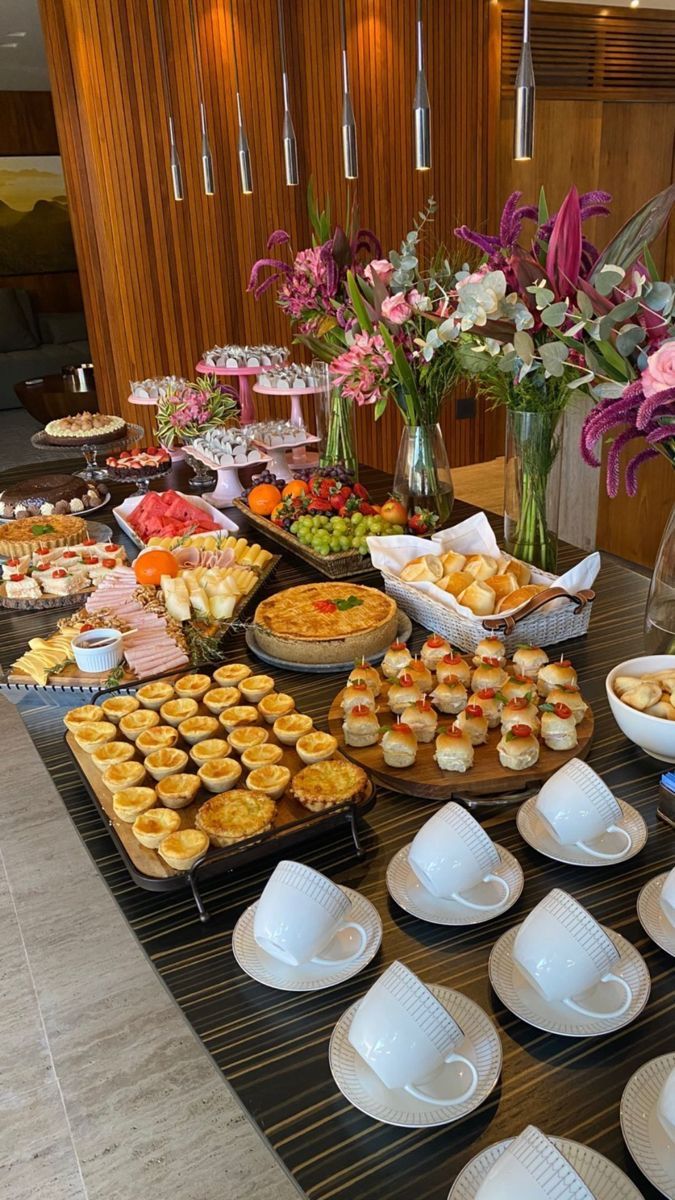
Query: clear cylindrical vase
point(337, 430)
point(422, 479)
point(660, 613)
point(532, 476)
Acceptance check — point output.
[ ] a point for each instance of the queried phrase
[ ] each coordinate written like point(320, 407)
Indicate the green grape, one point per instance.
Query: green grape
point(345, 543)
point(335, 545)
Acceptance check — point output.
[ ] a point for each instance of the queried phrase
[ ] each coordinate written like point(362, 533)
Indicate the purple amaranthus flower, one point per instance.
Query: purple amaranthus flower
point(631, 417)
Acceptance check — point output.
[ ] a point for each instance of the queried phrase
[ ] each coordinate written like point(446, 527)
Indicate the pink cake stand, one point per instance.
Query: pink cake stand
point(246, 403)
point(229, 486)
point(148, 402)
point(294, 394)
point(278, 455)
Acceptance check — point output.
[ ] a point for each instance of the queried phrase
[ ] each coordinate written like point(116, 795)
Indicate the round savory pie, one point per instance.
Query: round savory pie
point(220, 774)
point(154, 825)
point(137, 722)
point(291, 727)
point(123, 775)
point(245, 736)
point(182, 849)
point(264, 755)
point(177, 791)
point(24, 536)
point(91, 735)
point(112, 752)
point(255, 687)
point(239, 714)
point(175, 711)
point(277, 704)
point(154, 695)
point(194, 686)
point(210, 748)
point(316, 746)
point(272, 780)
point(324, 784)
point(157, 738)
point(116, 707)
point(196, 729)
point(85, 714)
point(129, 803)
point(218, 699)
point(231, 674)
point(234, 816)
point(325, 622)
point(168, 761)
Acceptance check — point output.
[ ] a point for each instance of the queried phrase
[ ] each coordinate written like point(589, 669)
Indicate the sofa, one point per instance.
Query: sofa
point(34, 343)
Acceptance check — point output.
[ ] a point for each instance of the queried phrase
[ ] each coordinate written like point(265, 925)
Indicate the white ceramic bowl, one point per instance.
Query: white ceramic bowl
point(96, 659)
point(654, 735)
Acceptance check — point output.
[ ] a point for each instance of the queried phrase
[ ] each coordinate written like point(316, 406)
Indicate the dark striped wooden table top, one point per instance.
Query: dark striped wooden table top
point(273, 1047)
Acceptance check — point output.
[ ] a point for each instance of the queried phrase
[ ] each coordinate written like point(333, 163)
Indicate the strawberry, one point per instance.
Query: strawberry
point(366, 509)
point(422, 521)
point(360, 491)
point(320, 505)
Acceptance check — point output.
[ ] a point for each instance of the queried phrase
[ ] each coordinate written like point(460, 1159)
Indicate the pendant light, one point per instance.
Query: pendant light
point(243, 152)
point(288, 133)
point(421, 109)
point(207, 160)
point(174, 159)
point(523, 139)
point(350, 156)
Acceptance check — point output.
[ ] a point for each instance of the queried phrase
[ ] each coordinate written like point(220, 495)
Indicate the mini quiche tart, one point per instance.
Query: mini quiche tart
point(182, 849)
point(112, 752)
point(160, 737)
point(197, 729)
point(220, 774)
point(154, 695)
point(220, 698)
point(255, 687)
point(137, 722)
point(129, 803)
point(175, 711)
point(177, 791)
point(116, 707)
point(85, 714)
point(264, 755)
point(234, 816)
point(239, 714)
point(277, 704)
point(315, 747)
point(154, 825)
point(194, 686)
point(291, 727)
point(90, 737)
point(244, 737)
point(231, 674)
point(210, 748)
point(123, 775)
point(322, 785)
point(168, 761)
point(272, 780)
point(326, 622)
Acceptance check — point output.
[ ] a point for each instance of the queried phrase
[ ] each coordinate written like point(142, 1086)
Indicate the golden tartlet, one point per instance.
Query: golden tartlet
point(154, 695)
point(193, 686)
point(167, 761)
point(177, 791)
point(264, 755)
point(220, 774)
point(231, 674)
point(233, 816)
point(116, 707)
point(272, 780)
point(154, 825)
point(129, 803)
point(291, 727)
point(290, 626)
point(239, 714)
point(93, 734)
point(210, 748)
point(160, 737)
point(218, 699)
point(28, 533)
point(138, 722)
point(182, 849)
point(316, 746)
point(197, 729)
point(324, 784)
point(85, 714)
point(244, 737)
point(175, 711)
point(277, 704)
point(123, 775)
point(112, 752)
point(254, 687)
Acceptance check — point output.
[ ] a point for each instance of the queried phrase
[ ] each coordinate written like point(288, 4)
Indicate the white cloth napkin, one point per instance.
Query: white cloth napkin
point(473, 536)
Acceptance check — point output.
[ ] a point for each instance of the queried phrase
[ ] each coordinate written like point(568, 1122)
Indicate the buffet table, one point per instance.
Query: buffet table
point(272, 1047)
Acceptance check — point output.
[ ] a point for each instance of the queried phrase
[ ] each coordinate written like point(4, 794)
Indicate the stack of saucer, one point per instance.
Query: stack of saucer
point(656, 910)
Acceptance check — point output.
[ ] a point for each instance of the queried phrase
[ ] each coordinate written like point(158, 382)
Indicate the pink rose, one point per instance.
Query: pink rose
point(396, 309)
point(660, 370)
point(382, 268)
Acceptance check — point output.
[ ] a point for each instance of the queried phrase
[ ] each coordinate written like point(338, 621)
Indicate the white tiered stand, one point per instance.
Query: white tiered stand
point(229, 486)
point(299, 457)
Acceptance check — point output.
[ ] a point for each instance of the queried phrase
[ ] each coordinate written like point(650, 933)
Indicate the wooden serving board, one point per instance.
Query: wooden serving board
point(487, 777)
point(22, 604)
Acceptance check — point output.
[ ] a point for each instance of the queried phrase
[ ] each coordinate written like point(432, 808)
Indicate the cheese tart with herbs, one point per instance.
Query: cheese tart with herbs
point(182, 849)
point(154, 695)
point(272, 779)
point(234, 816)
point(264, 755)
point(326, 622)
point(116, 707)
point(220, 774)
point(129, 803)
point(161, 763)
point(152, 826)
point(22, 537)
point(323, 785)
point(177, 791)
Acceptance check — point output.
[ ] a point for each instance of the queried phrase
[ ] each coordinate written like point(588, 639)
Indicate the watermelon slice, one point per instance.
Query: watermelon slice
point(167, 514)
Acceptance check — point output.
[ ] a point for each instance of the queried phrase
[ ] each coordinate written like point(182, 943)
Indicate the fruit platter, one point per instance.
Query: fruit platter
point(325, 517)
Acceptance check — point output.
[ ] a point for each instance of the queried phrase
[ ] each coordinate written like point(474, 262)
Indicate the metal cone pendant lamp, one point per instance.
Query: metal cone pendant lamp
point(206, 157)
point(350, 156)
point(523, 134)
point(421, 108)
point(174, 158)
point(243, 152)
point(288, 132)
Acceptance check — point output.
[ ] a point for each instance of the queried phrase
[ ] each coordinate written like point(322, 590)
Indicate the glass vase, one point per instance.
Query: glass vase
point(660, 612)
point(422, 478)
point(532, 474)
point(336, 426)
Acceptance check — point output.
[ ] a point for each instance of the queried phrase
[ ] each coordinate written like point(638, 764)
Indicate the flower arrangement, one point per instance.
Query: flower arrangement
point(188, 410)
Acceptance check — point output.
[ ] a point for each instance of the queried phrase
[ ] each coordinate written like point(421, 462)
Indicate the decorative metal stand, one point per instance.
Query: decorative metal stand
point(134, 434)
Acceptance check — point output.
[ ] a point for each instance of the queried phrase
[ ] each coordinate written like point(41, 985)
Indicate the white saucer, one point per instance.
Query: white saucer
point(534, 831)
point(522, 999)
point(642, 1131)
point(362, 1087)
point(405, 888)
point(652, 917)
point(266, 969)
point(602, 1178)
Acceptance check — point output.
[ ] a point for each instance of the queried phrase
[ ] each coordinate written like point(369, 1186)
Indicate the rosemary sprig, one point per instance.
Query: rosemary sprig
point(203, 641)
point(115, 677)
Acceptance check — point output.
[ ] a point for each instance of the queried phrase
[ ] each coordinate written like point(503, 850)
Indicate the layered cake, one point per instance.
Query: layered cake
point(326, 623)
point(138, 464)
point(45, 495)
point(83, 429)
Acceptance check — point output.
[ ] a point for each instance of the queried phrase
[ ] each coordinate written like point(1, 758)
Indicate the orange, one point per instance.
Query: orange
point(297, 487)
point(150, 566)
point(263, 499)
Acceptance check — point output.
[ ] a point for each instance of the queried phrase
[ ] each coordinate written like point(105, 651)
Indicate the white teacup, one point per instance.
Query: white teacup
point(299, 914)
point(562, 951)
point(532, 1168)
point(665, 1106)
point(406, 1035)
point(576, 807)
point(668, 896)
point(452, 853)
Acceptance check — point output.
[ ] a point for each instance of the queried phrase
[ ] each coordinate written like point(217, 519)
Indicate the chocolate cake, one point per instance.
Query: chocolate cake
point(44, 495)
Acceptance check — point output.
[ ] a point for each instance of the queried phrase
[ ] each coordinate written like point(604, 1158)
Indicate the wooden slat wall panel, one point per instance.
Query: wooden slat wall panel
point(162, 281)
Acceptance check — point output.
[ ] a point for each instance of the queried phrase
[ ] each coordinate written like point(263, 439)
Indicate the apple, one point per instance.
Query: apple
point(394, 512)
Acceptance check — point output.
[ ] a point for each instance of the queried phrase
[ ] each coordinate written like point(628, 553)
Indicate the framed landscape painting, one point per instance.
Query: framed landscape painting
point(35, 233)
